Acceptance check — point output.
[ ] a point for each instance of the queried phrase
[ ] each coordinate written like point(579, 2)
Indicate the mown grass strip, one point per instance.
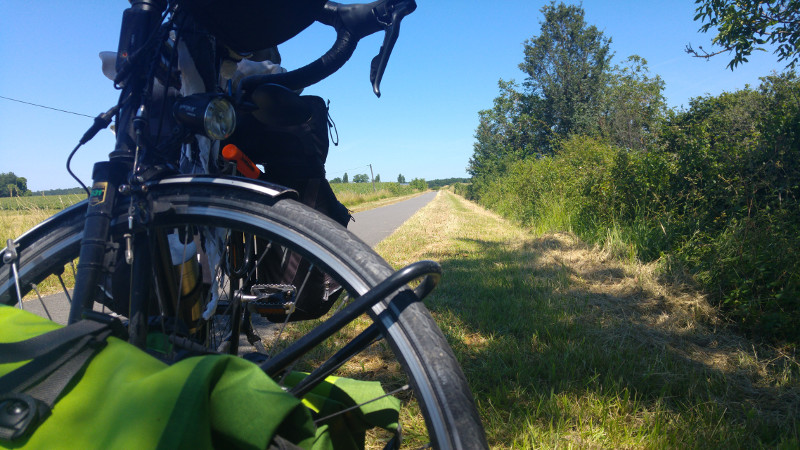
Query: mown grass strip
point(565, 346)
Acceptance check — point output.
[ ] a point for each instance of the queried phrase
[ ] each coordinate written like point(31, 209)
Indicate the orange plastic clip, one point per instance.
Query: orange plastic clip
point(243, 164)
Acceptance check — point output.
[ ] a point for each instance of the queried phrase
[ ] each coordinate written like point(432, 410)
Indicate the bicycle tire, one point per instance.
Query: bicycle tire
point(437, 381)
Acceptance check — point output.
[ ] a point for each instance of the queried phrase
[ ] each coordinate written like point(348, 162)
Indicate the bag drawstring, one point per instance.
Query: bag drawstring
point(332, 126)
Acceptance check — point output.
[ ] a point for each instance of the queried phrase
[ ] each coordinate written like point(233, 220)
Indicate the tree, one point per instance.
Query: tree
point(563, 93)
point(11, 185)
point(633, 105)
point(746, 25)
point(336, 180)
point(361, 178)
point(418, 184)
point(378, 178)
point(344, 178)
point(566, 66)
point(401, 178)
point(507, 131)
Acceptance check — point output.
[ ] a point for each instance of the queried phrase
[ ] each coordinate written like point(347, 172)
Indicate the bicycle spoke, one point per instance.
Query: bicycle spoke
point(39, 296)
point(259, 261)
point(346, 410)
point(64, 287)
point(16, 282)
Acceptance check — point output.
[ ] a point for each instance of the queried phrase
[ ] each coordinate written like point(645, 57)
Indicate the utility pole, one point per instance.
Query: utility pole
point(373, 177)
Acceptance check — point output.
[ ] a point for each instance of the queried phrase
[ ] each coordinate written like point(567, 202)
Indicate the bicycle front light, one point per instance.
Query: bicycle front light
point(209, 114)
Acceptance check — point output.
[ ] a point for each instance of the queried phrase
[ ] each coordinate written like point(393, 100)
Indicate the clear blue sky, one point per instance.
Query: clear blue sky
point(444, 70)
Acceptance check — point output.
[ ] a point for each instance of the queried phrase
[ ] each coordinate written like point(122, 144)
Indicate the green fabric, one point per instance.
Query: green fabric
point(336, 394)
point(128, 399)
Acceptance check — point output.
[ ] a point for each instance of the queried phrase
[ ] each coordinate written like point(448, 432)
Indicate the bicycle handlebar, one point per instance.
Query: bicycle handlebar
point(352, 23)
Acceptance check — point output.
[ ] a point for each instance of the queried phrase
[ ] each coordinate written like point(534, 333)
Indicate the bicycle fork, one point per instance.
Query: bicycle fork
point(107, 176)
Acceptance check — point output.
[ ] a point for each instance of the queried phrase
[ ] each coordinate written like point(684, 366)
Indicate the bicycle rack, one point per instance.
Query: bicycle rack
point(279, 363)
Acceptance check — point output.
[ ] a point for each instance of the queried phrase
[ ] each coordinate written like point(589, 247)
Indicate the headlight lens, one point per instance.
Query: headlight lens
point(219, 119)
point(211, 114)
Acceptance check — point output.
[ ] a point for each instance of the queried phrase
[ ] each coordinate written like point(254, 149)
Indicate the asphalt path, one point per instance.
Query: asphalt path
point(374, 225)
point(371, 226)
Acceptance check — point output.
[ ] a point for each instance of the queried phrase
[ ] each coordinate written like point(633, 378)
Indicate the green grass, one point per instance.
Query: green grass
point(567, 346)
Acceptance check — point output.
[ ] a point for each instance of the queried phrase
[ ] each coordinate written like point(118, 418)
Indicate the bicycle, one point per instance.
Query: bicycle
point(183, 255)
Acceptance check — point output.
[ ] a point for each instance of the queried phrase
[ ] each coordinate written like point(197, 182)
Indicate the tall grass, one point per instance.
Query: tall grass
point(20, 214)
point(567, 346)
point(355, 195)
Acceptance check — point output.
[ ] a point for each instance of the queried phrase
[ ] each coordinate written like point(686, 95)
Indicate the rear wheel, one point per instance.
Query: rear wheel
point(231, 241)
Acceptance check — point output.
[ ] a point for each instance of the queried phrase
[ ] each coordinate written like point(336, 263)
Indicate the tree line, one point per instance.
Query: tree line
point(416, 183)
point(12, 185)
point(585, 145)
point(364, 178)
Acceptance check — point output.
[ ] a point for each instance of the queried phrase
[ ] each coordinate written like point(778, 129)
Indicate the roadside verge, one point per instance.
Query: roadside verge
point(565, 346)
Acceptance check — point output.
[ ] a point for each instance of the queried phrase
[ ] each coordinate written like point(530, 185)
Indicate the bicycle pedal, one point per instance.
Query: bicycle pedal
point(271, 299)
point(277, 292)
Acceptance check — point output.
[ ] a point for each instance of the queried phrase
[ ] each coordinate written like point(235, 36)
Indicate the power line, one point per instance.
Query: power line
point(46, 107)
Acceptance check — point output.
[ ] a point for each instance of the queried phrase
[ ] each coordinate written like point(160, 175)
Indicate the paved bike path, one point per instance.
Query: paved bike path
point(374, 225)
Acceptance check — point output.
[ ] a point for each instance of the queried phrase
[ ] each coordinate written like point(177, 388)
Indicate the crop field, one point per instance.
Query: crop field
point(29, 204)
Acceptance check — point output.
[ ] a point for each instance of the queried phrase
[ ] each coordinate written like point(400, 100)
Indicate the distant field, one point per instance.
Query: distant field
point(50, 202)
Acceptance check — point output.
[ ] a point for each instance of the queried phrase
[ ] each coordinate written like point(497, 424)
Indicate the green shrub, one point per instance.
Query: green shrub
point(418, 184)
point(463, 189)
point(720, 192)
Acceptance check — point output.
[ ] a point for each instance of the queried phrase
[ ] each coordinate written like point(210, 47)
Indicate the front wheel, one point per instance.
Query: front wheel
point(236, 237)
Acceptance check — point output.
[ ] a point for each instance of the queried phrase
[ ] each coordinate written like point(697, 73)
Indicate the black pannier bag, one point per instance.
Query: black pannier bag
point(252, 25)
point(288, 134)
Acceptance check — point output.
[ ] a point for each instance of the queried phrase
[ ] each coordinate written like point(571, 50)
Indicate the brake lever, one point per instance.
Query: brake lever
point(389, 14)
